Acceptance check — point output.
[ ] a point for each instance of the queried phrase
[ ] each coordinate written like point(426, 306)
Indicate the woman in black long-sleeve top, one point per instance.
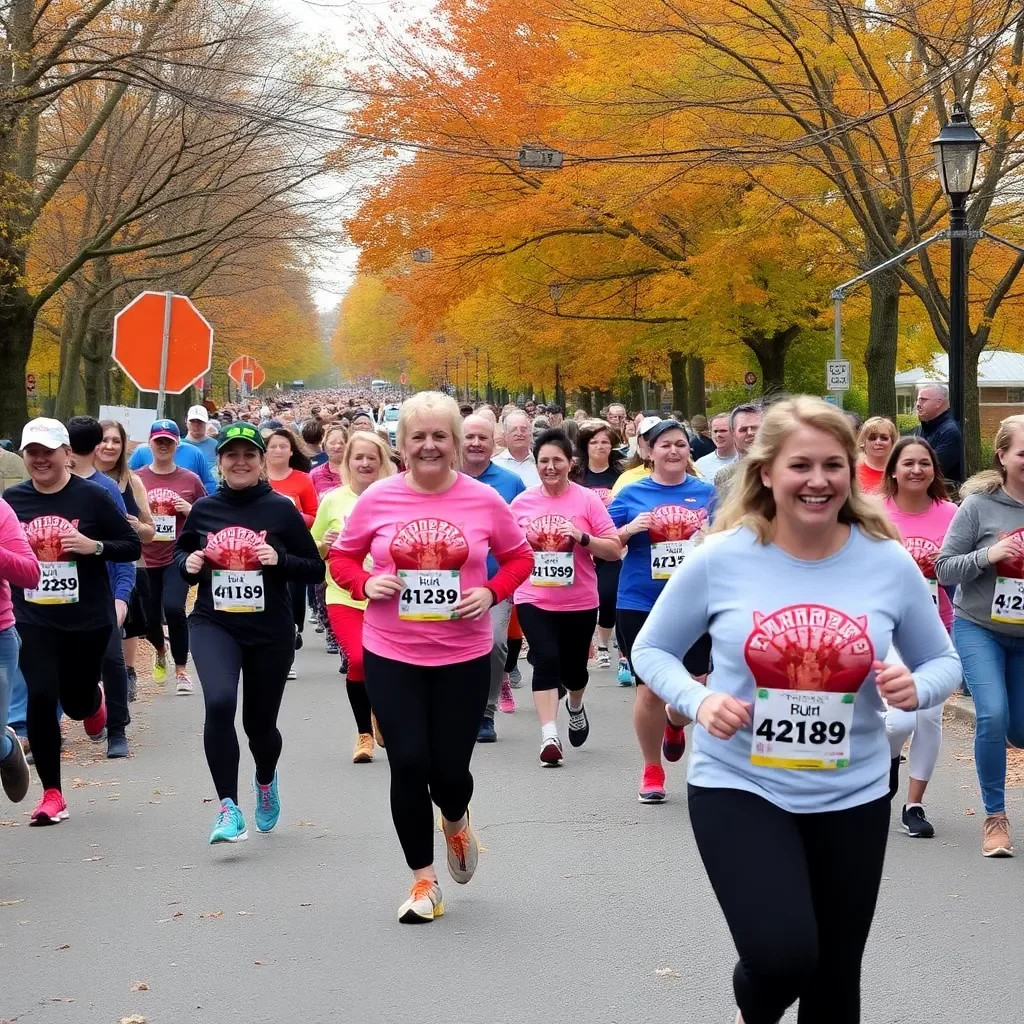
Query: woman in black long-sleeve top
point(243, 545)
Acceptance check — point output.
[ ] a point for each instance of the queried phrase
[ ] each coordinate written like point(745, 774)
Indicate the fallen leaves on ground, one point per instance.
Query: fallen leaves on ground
point(668, 973)
point(140, 986)
point(213, 913)
point(10, 903)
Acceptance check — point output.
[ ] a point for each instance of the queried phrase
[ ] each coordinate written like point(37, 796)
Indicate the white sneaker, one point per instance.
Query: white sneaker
point(291, 673)
point(184, 687)
point(551, 751)
point(424, 903)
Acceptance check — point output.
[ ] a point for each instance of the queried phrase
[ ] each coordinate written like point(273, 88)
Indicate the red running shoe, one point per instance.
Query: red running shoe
point(52, 809)
point(96, 723)
point(652, 784)
point(673, 746)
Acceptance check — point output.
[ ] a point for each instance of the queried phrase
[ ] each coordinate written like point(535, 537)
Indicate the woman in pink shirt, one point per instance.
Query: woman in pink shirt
point(18, 565)
point(327, 476)
point(915, 498)
point(426, 633)
point(568, 527)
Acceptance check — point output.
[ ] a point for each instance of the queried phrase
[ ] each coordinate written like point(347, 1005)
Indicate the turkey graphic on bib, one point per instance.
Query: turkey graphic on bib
point(808, 662)
point(234, 547)
point(428, 556)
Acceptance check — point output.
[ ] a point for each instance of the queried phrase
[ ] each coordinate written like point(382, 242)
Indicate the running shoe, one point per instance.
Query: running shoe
point(551, 752)
point(652, 784)
point(268, 804)
point(506, 703)
point(96, 724)
point(291, 673)
point(486, 733)
point(579, 725)
point(298, 641)
point(183, 686)
point(996, 841)
point(230, 825)
point(515, 678)
point(424, 903)
point(463, 853)
point(317, 628)
point(363, 753)
point(344, 664)
point(673, 746)
point(117, 745)
point(160, 668)
point(14, 774)
point(133, 684)
point(603, 658)
point(51, 810)
point(331, 646)
point(312, 616)
point(378, 736)
point(624, 675)
point(915, 824)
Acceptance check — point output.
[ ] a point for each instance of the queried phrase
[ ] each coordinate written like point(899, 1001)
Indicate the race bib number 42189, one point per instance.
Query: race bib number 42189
point(801, 729)
point(1008, 600)
point(429, 594)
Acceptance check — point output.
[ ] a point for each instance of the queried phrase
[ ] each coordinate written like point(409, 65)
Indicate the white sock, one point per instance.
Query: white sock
point(549, 731)
point(908, 806)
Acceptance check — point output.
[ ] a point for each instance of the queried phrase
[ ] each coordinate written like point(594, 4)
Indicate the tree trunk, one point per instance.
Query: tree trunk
point(17, 323)
point(770, 351)
point(68, 385)
point(883, 335)
point(680, 385)
point(636, 392)
point(697, 402)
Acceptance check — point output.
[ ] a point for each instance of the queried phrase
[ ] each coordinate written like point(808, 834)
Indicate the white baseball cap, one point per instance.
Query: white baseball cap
point(646, 423)
point(198, 412)
point(51, 434)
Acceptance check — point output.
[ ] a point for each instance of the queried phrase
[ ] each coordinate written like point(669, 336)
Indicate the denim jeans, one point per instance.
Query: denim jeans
point(994, 669)
point(10, 642)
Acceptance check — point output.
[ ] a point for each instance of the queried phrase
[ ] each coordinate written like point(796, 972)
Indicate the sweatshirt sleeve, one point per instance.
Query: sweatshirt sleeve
point(189, 540)
point(511, 550)
point(202, 470)
point(18, 562)
point(307, 500)
point(120, 542)
point(959, 561)
point(678, 619)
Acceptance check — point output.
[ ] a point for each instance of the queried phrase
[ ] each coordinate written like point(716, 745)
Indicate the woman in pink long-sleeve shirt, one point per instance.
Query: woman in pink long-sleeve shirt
point(18, 565)
point(426, 635)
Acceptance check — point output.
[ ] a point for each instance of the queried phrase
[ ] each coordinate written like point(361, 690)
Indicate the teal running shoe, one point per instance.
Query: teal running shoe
point(230, 826)
point(625, 677)
point(268, 805)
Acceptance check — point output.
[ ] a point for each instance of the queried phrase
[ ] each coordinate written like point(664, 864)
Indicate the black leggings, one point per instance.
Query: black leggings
point(628, 623)
point(298, 592)
point(607, 591)
point(220, 660)
point(167, 591)
point(58, 665)
point(798, 892)
point(559, 645)
point(429, 715)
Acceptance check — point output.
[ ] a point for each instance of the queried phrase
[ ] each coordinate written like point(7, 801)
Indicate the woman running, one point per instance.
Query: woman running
point(367, 460)
point(427, 637)
point(327, 475)
point(803, 588)
point(983, 554)
point(65, 621)
point(659, 519)
point(875, 442)
point(598, 465)
point(915, 500)
point(244, 546)
point(567, 526)
point(171, 492)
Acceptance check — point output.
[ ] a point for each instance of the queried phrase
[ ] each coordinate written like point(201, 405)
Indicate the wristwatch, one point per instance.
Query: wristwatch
point(99, 548)
point(584, 539)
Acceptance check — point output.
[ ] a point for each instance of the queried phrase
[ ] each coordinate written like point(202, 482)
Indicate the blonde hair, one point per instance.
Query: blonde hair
point(387, 467)
point(988, 481)
point(750, 503)
point(430, 403)
point(877, 425)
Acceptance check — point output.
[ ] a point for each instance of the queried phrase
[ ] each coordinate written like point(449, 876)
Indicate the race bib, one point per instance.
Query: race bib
point(933, 590)
point(58, 584)
point(1008, 601)
point(429, 594)
point(166, 528)
point(238, 590)
point(801, 729)
point(553, 569)
point(667, 556)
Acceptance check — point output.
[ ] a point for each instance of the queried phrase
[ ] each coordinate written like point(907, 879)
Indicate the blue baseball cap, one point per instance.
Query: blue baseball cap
point(164, 428)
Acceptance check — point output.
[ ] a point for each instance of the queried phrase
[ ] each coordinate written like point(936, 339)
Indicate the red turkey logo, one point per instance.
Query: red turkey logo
point(1013, 567)
point(429, 544)
point(604, 494)
point(545, 533)
point(675, 522)
point(44, 536)
point(161, 501)
point(234, 547)
point(809, 647)
point(924, 552)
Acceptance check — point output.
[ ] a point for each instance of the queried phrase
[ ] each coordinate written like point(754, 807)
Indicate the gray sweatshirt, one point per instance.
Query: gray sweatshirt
point(980, 521)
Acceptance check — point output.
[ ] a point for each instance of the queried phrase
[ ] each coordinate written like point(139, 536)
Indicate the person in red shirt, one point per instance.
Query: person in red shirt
point(875, 442)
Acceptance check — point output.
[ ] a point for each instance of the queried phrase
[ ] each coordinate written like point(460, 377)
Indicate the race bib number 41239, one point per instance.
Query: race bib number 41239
point(58, 584)
point(801, 729)
point(429, 594)
point(1008, 600)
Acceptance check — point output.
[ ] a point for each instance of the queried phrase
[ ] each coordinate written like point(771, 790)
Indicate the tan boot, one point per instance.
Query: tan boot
point(995, 841)
point(377, 735)
point(363, 753)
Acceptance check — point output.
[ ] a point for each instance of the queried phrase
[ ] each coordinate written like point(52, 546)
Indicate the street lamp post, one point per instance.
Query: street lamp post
point(956, 158)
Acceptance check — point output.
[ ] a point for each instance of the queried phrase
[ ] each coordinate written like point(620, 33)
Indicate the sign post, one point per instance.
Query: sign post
point(165, 344)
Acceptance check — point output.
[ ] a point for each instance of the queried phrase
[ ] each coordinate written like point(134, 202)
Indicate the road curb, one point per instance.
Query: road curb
point(961, 708)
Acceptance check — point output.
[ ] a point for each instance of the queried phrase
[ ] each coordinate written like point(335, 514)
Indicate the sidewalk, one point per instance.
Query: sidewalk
point(961, 708)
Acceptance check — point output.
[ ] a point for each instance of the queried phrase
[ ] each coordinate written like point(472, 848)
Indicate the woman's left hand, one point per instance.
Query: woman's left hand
point(475, 602)
point(896, 685)
point(266, 554)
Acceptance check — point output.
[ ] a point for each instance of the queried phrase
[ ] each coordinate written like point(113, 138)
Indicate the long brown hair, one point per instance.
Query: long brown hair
point(588, 430)
point(120, 471)
point(936, 489)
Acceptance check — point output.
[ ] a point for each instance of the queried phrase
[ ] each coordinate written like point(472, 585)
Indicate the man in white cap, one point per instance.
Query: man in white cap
point(198, 418)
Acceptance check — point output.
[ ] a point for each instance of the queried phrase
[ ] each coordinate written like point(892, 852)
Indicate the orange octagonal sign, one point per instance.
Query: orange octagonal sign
point(246, 371)
point(139, 331)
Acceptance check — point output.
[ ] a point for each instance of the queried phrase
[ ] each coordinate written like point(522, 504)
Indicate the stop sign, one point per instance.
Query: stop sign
point(245, 370)
point(139, 335)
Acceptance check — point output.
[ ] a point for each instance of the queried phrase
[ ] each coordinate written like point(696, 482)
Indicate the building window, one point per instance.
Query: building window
point(1015, 395)
point(904, 404)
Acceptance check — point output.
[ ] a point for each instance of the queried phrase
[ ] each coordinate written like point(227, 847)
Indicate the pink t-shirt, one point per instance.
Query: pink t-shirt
point(324, 479)
point(405, 529)
point(539, 516)
point(922, 535)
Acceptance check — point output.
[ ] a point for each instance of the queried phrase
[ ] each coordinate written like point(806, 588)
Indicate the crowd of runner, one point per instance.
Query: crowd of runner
point(806, 589)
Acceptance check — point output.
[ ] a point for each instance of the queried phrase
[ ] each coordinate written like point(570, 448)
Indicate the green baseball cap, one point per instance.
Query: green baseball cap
point(241, 432)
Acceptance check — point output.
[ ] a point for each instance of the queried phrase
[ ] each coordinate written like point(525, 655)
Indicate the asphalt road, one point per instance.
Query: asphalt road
point(587, 906)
